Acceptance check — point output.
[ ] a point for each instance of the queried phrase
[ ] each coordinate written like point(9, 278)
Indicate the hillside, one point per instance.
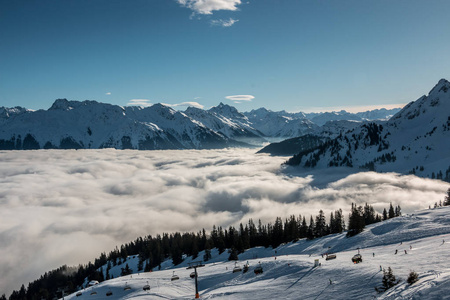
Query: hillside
point(416, 140)
point(422, 240)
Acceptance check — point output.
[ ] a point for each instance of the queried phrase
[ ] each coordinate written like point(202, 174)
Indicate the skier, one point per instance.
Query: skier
point(381, 269)
point(406, 252)
point(330, 282)
point(373, 254)
point(396, 251)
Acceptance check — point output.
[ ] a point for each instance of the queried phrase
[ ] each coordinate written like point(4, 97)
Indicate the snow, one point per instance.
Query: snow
point(418, 137)
point(289, 273)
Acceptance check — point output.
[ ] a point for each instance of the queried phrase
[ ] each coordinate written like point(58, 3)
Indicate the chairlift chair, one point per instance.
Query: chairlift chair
point(258, 270)
point(192, 275)
point(330, 256)
point(174, 277)
point(93, 293)
point(109, 293)
point(245, 270)
point(79, 294)
point(127, 287)
point(236, 268)
point(357, 258)
point(146, 287)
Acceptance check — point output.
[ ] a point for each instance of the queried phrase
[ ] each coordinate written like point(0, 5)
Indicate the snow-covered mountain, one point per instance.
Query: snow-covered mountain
point(280, 124)
point(416, 140)
point(371, 115)
point(289, 271)
point(6, 113)
point(227, 121)
point(90, 124)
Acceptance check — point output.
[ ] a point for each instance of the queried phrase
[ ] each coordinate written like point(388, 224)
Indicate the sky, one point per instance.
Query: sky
point(66, 207)
point(293, 55)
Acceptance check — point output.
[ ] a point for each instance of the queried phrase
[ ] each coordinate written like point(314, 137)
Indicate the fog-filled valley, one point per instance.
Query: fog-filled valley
point(66, 206)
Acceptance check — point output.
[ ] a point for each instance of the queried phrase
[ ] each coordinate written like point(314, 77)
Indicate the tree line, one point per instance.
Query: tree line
point(153, 250)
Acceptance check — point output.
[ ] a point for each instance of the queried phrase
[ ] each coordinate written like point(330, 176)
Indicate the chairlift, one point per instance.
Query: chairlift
point(245, 270)
point(79, 294)
point(357, 258)
point(146, 287)
point(330, 256)
point(93, 293)
point(192, 275)
point(236, 268)
point(127, 287)
point(109, 293)
point(174, 277)
point(258, 270)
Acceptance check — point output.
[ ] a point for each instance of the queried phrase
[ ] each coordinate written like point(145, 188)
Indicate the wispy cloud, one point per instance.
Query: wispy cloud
point(223, 23)
point(77, 204)
point(206, 7)
point(108, 93)
point(240, 98)
point(185, 104)
point(139, 102)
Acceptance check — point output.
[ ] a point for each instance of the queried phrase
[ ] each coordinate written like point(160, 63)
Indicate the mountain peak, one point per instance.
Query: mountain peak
point(226, 111)
point(61, 104)
point(442, 86)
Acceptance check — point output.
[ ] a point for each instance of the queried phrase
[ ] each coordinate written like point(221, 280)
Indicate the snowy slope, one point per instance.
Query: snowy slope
point(416, 140)
point(422, 240)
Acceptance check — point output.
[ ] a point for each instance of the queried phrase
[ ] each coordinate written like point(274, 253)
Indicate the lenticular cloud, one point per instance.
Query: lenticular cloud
point(206, 7)
point(65, 207)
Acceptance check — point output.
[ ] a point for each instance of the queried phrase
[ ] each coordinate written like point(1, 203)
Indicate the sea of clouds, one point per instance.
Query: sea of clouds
point(66, 207)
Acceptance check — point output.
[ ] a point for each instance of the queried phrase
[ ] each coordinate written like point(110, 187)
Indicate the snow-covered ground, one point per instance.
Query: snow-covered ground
point(422, 240)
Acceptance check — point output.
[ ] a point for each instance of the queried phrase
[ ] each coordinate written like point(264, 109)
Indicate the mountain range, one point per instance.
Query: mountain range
point(92, 125)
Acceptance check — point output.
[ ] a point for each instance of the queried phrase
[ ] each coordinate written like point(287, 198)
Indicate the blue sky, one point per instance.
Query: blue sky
point(281, 54)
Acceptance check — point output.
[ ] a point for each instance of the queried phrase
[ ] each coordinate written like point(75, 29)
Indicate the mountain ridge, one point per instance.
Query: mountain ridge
point(415, 140)
point(89, 124)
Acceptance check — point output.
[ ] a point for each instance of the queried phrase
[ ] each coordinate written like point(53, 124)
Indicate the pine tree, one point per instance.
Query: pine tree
point(277, 232)
point(369, 214)
point(320, 228)
point(252, 233)
point(447, 198)
point(221, 241)
point(233, 254)
point(207, 255)
point(311, 229)
point(356, 221)
point(126, 271)
point(391, 213)
point(141, 260)
point(388, 279)
point(385, 215)
point(412, 278)
point(398, 211)
point(303, 230)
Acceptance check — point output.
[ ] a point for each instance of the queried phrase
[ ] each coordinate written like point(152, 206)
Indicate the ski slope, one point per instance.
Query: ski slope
point(422, 240)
